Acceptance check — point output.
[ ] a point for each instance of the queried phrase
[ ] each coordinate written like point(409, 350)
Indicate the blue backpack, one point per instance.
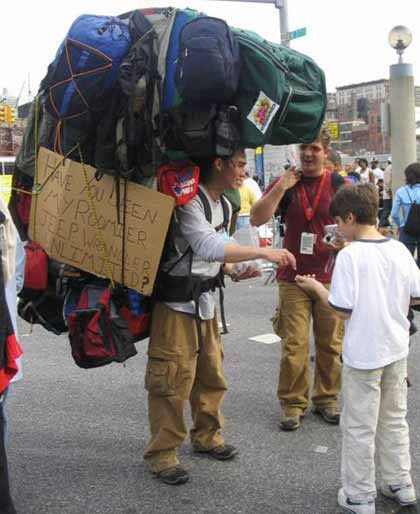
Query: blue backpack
point(84, 70)
point(170, 96)
point(208, 62)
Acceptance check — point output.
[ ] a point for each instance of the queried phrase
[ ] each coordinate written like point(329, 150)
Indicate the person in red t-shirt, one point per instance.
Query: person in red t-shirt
point(303, 197)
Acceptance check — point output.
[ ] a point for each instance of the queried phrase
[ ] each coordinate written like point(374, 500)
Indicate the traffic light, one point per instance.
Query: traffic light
point(10, 114)
point(3, 113)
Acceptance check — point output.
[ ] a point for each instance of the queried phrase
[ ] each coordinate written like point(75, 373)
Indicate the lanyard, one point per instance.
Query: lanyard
point(308, 209)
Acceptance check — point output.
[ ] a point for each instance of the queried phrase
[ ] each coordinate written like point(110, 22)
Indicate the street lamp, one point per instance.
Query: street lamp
point(402, 107)
point(400, 38)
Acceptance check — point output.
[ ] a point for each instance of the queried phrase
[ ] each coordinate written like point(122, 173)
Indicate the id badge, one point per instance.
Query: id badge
point(307, 243)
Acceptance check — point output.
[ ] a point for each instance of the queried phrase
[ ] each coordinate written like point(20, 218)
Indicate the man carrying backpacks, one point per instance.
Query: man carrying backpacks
point(303, 198)
point(185, 352)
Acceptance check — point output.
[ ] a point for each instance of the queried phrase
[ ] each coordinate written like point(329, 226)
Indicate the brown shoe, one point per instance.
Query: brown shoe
point(289, 423)
point(173, 476)
point(330, 415)
point(222, 452)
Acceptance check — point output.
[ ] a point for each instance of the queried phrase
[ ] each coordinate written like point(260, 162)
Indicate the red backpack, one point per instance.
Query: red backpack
point(98, 332)
point(36, 267)
point(179, 180)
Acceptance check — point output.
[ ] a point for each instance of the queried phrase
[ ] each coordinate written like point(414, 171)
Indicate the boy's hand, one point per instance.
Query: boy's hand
point(338, 244)
point(308, 283)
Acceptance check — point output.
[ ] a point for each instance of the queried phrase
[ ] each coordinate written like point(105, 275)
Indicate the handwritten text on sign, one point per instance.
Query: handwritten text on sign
point(65, 226)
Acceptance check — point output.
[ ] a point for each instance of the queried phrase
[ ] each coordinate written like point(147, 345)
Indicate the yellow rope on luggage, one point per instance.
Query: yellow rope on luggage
point(37, 188)
point(98, 230)
point(36, 162)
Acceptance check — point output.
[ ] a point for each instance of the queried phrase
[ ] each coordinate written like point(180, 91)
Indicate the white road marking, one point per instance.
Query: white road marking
point(266, 339)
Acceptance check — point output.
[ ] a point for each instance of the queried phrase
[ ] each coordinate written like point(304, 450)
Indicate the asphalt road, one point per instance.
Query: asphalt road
point(77, 436)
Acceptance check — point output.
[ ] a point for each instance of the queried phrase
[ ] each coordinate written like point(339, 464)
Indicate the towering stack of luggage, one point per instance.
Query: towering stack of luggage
point(140, 97)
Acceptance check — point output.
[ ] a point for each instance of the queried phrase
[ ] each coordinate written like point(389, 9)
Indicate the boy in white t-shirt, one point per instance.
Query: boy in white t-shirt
point(374, 280)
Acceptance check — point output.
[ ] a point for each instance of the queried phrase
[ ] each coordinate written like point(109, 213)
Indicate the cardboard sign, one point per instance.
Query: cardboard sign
point(64, 223)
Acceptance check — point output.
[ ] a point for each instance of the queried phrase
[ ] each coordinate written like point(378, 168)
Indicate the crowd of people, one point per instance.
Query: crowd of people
point(361, 339)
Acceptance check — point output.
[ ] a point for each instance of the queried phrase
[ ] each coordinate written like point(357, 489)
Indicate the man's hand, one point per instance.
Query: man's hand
point(290, 178)
point(250, 272)
point(281, 257)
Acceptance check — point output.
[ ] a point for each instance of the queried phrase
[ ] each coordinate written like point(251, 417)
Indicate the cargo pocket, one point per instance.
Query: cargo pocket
point(160, 377)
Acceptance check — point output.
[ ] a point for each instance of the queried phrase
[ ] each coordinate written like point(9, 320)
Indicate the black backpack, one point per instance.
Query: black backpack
point(125, 139)
point(208, 63)
point(412, 225)
point(201, 131)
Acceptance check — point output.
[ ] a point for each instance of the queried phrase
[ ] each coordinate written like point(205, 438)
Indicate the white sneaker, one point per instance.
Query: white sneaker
point(354, 507)
point(404, 495)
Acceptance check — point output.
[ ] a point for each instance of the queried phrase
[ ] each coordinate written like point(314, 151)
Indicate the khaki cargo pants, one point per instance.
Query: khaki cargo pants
point(179, 369)
point(292, 323)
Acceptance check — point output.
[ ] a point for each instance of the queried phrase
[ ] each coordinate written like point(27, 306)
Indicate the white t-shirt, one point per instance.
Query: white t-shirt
point(379, 174)
point(365, 175)
point(373, 281)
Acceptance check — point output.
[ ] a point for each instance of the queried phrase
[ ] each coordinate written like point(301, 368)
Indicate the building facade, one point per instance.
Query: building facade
point(362, 115)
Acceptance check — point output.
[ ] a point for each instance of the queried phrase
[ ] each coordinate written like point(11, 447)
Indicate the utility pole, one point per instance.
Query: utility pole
point(281, 5)
point(284, 21)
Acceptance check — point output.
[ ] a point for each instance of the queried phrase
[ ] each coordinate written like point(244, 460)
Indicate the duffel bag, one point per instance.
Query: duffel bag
point(282, 97)
point(98, 334)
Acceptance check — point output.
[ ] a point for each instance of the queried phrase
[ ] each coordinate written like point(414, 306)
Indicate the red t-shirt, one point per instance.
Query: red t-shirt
point(321, 262)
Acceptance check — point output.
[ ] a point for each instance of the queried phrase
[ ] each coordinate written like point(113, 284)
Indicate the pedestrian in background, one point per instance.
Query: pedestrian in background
point(376, 170)
point(352, 175)
point(384, 223)
point(253, 185)
point(404, 198)
point(366, 175)
point(248, 199)
point(373, 275)
point(333, 163)
point(303, 199)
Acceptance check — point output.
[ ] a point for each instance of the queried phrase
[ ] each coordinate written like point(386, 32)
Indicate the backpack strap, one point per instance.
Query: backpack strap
point(226, 213)
point(208, 213)
point(408, 193)
point(206, 204)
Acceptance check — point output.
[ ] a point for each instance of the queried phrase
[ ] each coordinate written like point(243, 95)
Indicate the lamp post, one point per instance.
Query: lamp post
point(402, 108)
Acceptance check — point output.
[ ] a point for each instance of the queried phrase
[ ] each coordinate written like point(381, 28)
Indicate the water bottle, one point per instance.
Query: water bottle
point(134, 301)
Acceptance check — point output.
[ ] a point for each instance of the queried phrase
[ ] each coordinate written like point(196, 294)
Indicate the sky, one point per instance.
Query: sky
point(347, 38)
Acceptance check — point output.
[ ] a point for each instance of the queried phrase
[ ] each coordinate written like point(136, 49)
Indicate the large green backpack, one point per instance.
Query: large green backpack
point(282, 95)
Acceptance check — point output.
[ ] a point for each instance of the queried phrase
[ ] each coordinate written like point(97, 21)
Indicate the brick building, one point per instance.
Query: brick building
point(362, 116)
